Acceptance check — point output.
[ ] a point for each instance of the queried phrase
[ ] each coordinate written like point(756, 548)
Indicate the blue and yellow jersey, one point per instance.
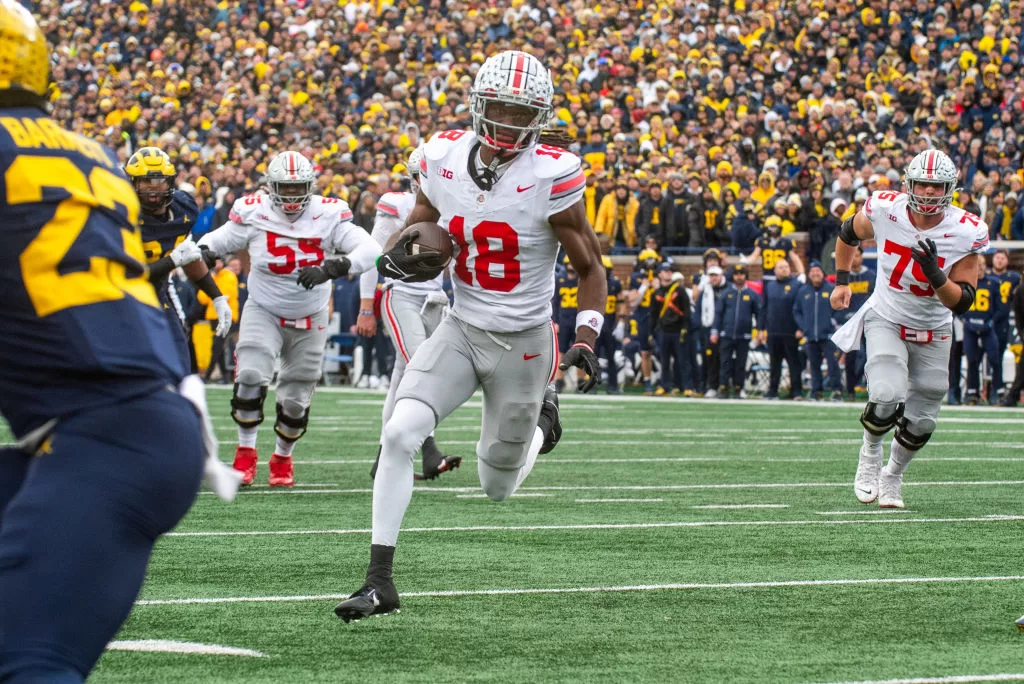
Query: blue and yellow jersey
point(566, 298)
point(161, 235)
point(1008, 280)
point(985, 311)
point(82, 324)
point(772, 252)
point(612, 302)
point(643, 307)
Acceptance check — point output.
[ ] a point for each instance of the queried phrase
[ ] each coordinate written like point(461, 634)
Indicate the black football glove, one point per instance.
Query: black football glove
point(209, 258)
point(584, 358)
point(927, 255)
point(399, 264)
point(311, 276)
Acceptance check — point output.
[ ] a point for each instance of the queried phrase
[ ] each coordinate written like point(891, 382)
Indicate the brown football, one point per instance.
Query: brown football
point(432, 238)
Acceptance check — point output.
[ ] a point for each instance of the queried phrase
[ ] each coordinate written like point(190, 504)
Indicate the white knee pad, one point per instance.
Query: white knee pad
point(507, 449)
point(249, 382)
point(497, 484)
point(410, 424)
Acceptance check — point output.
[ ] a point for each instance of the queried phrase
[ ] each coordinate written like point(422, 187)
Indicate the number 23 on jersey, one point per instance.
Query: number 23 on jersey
point(105, 279)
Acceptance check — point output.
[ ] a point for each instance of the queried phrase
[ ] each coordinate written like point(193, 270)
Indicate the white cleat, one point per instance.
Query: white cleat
point(1020, 624)
point(890, 490)
point(865, 485)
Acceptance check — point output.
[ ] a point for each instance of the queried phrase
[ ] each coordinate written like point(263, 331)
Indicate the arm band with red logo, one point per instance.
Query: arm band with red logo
point(589, 318)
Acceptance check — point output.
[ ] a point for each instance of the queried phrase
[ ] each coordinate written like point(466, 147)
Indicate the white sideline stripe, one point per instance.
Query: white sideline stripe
point(743, 506)
point(590, 501)
point(635, 488)
point(591, 400)
point(590, 590)
point(602, 526)
point(190, 647)
point(952, 679)
point(869, 511)
point(693, 459)
point(517, 495)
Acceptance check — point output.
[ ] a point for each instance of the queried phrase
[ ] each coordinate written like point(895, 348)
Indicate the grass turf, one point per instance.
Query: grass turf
point(612, 506)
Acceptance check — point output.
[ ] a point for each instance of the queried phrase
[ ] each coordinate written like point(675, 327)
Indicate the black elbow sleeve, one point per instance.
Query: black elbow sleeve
point(208, 286)
point(847, 234)
point(966, 298)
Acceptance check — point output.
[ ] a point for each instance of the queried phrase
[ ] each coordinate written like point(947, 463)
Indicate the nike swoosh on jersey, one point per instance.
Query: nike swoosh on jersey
point(949, 235)
point(527, 357)
point(519, 188)
point(317, 216)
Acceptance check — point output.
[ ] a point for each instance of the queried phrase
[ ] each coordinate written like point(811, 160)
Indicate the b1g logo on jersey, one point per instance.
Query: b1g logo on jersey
point(446, 174)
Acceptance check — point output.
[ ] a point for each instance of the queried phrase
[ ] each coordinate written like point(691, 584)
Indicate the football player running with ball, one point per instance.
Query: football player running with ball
point(288, 231)
point(923, 279)
point(508, 202)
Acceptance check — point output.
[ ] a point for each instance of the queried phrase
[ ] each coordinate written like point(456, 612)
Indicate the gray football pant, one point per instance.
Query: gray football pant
point(261, 338)
point(900, 371)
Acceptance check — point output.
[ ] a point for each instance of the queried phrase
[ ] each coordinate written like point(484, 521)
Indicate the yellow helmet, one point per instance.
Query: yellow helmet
point(152, 173)
point(24, 57)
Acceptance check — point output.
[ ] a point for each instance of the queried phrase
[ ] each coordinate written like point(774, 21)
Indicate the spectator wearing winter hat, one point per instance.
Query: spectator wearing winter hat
point(824, 230)
point(812, 311)
point(706, 295)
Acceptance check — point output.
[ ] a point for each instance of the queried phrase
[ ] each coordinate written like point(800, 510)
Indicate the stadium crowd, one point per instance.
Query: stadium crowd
point(701, 124)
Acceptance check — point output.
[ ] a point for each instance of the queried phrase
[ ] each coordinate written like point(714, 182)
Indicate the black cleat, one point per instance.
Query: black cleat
point(434, 462)
point(549, 416)
point(371, 599)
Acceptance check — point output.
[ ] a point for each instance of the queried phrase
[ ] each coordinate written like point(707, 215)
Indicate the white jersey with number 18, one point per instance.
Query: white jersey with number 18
point(505, 248)
point(902, 293)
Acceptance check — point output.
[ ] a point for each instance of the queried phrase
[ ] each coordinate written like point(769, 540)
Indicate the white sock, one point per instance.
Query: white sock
point(873, 442)
point(899, 458)
point(247, 437)
point(284, 447)
point(531, 456)
point(410, 424)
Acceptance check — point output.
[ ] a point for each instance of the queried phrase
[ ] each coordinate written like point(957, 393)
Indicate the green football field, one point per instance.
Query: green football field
point(663, 540)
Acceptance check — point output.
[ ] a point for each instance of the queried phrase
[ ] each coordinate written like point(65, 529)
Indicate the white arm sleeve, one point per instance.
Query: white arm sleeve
point(228, 238)
point(384, 227)
point(356, 244)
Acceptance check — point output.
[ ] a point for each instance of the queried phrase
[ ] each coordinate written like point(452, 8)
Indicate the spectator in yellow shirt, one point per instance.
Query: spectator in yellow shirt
point(227, 281)
point(616, 217)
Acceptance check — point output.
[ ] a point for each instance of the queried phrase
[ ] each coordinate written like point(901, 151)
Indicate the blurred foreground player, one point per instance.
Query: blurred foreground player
point(508, 203)
point(109, 452)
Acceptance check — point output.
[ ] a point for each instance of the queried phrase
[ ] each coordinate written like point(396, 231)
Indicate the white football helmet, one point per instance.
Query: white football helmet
point(290, 180)
point(510, 79)
point(931, 167)
point(415, 169)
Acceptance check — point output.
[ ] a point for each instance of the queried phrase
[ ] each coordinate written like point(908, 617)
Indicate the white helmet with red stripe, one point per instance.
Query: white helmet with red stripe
point(511, 100)
point(290, 181)
point(414, 168)
point(930, 168)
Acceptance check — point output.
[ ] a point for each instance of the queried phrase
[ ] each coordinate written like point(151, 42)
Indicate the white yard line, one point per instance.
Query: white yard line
point(517, 495)
point(727, 506)
point(593, 590)
point(867, 511)
point(694, 459)
point(189, 647)
point(602, 526)
point(952, 679)
point(639, 488)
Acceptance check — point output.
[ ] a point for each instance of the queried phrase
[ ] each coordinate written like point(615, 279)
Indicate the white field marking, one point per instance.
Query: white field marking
point(591, 501)
point(190, 647)
point(743, 506)
point(591, 590)
point(601, 526)
point(695, 459)
point(868, 511)
point(308, 485)
point(517, 495)
point(638, 488)
point(952, 679)
point(581, 401)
